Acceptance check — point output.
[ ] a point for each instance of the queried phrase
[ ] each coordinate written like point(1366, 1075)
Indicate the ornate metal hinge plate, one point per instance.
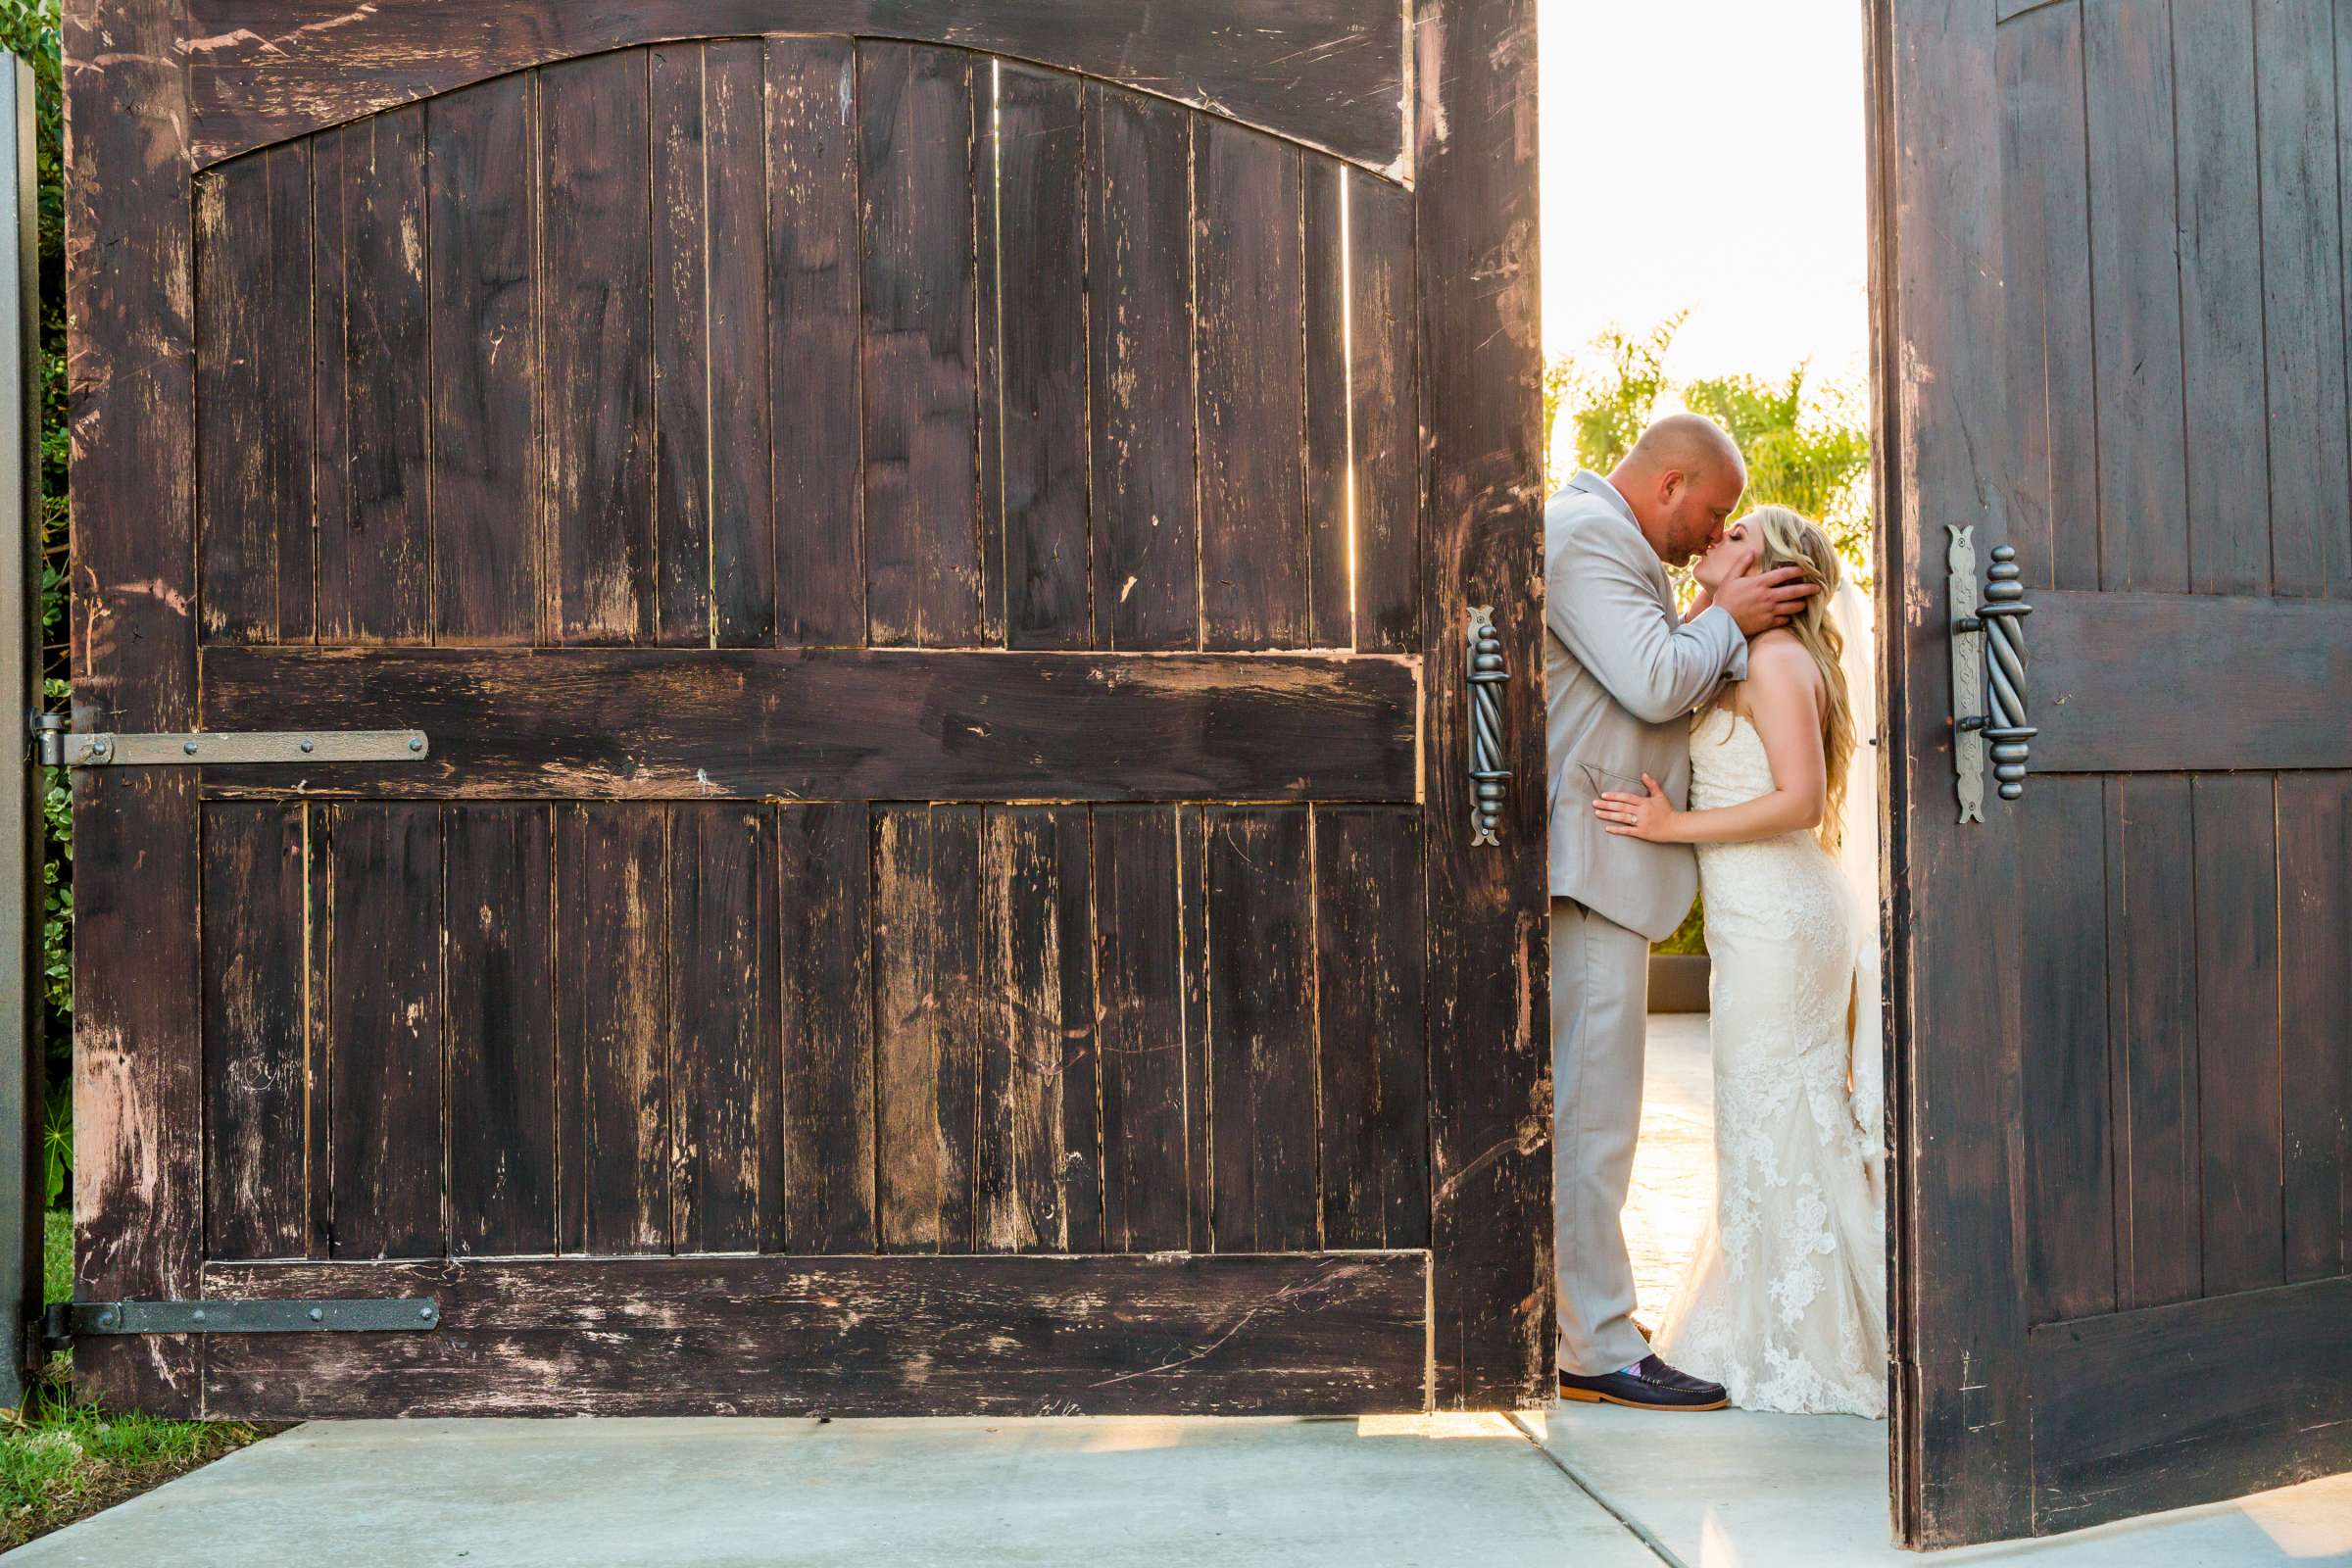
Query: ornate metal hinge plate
point(69, 1320)
point(1488, 778)
point(58, 746)
point(1988, 673)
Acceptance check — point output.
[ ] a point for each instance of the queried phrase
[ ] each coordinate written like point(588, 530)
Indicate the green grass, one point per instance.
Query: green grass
point(62, 1459)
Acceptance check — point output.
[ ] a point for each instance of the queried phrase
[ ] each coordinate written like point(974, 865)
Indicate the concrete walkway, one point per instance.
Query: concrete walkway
point(1604, 1488)
point(1591, 1487)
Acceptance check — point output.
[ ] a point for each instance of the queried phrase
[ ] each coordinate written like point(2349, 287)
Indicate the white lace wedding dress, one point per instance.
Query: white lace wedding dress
point(1785, 1303)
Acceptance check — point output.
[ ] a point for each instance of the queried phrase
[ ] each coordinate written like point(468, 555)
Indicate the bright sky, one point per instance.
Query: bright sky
point(1707, 154)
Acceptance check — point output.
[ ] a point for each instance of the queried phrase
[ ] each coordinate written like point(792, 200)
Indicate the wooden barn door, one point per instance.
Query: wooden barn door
point(933, 547)
point(2112, 275)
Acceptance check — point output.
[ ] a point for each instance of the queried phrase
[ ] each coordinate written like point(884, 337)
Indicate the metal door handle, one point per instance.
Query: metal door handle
point(1989, 659)
point(1488, 778)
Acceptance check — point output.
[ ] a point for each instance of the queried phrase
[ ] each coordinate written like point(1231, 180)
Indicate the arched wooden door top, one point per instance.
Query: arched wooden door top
point(1331, 75)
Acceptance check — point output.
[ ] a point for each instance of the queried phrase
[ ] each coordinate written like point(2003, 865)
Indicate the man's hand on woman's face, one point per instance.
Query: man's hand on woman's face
point(1766, 600)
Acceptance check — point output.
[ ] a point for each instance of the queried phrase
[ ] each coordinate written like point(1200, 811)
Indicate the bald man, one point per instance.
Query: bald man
point(1623, 672)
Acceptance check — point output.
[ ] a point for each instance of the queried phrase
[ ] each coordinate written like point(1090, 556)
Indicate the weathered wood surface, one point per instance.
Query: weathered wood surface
point(481, 238)
point(933, 560)
point(2315, 1019)
point(595, 287)
point(2196, 1430)
point(806, 341)
point(616, 1091)
point(838, 724)
point(826, 924)
point(1959, 1416)
point(736, 354)
point(499, 1012)
point(1251, 393)
point(812, 333)
point(258, 1071)
point(1341, 1334)
point(1490, 1049)
point(2238, 682)
point(1149, 1058)
point(385, 1129)
point(1264, 1192)
point(1328, 73)
point(1034, 422)
point(2166, 447)
point(138, 1068)
point(1140, 285)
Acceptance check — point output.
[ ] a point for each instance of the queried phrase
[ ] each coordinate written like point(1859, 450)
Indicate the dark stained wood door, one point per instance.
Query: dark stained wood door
point(2112, 269)
point(933, 547)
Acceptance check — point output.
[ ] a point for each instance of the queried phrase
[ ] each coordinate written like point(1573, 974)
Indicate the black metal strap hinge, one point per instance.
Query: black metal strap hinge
point(67, 1320)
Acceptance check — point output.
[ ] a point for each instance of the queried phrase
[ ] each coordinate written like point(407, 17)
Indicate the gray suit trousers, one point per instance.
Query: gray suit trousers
point(1599, 1007)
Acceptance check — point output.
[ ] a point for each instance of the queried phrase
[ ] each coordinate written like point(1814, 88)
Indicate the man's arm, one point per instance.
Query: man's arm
point(1602, 606)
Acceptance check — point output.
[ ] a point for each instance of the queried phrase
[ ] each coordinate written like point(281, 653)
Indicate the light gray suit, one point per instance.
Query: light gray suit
point(1622, 674)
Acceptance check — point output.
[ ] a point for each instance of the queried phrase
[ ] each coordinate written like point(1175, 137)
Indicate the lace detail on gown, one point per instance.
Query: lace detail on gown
point(1785, 1303)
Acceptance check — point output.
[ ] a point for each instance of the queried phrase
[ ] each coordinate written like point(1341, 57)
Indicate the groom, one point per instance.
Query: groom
point(1622, 674)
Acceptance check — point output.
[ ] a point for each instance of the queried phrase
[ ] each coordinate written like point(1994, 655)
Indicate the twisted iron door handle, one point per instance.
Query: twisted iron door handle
point(1989, 673)
point(1488, 778)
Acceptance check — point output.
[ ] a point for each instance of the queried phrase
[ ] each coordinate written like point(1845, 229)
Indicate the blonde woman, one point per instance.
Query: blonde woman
point(1785, 1303)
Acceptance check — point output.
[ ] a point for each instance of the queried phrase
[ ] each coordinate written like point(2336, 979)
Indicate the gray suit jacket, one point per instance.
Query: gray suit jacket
point(1621, 677)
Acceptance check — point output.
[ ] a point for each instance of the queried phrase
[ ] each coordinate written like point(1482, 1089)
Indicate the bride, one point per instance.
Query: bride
point(1785, 1303)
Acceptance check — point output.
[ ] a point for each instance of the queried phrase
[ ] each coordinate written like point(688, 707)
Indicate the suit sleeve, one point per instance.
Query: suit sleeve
point(1658, 668)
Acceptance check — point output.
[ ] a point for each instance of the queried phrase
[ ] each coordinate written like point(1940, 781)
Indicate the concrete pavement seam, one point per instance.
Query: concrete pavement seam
point(1640, 1531)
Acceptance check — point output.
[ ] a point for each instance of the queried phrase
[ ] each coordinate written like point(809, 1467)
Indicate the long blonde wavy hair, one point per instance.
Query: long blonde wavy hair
point(1787, 538)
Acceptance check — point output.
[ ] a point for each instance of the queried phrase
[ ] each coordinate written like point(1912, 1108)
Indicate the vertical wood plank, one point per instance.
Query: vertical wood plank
point(1139, 278)
point(384, 1029)
point(613, 1109)
point(481, 213)
point(1251, 353)
point(2315, 1018)
point(742, 513)
point(933, 575)
point(1262, 1045)
point(257, 1051)
point(1387, 414)
point(2227, 456)
point(2310, 534)
point(2156, 1043)
point(714, 521)
point(253, 307)
point(726, 1182)
point(682, 342)
point(2135, 279)
point(2054, 508)
point(1039, 1182)
point(138, 1061)
point(814, 388)
point(1192, 905)
point(2239, 1132)
point(1035, 410)
point(317, 994)
point(1476, 320)
point(2061, 848)
point(501, 1028)
point(927, 1034)
point(826, 925)
point(1141, 1029)
point(1330, 588)
point(595, 313)
point(376, 546)
point(1370, 952)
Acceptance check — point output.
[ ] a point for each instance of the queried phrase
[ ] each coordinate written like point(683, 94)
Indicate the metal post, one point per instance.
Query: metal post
point(21, 834)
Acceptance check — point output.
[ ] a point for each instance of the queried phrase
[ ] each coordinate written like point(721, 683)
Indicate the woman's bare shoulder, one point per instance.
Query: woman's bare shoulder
point(1777, 654)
